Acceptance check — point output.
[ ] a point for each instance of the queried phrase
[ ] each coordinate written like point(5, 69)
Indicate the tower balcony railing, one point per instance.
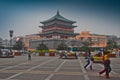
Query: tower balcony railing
point(44, 38)
point(56, 28)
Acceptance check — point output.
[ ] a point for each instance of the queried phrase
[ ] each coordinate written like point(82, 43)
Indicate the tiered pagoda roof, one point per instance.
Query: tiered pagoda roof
point(58, 17)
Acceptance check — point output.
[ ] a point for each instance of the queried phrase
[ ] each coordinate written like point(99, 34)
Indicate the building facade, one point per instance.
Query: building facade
point(29, 38)
point(54, 31)
point(94, 40)
point(59, 29)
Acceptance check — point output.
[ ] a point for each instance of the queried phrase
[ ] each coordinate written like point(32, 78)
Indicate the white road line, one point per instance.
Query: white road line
point(56, 70)
point(11, 66)
point(8, 79)
point(15, 75)
point(39, 65)
point(16, 65)
point(83, 70)
point(29, 69)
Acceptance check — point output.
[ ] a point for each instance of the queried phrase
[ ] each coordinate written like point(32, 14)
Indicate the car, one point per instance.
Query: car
point(6, 53)
point(97, 59)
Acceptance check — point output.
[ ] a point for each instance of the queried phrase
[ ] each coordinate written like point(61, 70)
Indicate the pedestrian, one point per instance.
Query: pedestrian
point(0, 52)
point(106, 62)
point(90, 64)
point(118, 53)
point(88, 59)
point(29, 55)
point(89, 53)
point(60, 54)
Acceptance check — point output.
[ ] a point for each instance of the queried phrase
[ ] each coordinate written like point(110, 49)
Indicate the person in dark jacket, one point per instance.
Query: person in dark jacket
point(88, 58)
point(29, 56)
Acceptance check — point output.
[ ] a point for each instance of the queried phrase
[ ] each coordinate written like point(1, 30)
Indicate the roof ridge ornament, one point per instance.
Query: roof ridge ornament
point(58, 17)
point(57, 12)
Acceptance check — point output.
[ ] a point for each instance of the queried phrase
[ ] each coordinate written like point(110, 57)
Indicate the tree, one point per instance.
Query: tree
point(112, 44)
point(1, 47)
point(62, 46)
point(19, 45)
point(42, 47)
point(86, 46)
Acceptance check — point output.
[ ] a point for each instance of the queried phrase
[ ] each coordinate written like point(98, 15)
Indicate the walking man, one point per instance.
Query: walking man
point(29, 56)
point(106, 62)
point(88, 60)
point(91, 63)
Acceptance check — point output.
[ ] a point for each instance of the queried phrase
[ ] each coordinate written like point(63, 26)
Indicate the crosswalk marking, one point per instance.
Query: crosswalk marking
point(83, 70)
point(56, 70)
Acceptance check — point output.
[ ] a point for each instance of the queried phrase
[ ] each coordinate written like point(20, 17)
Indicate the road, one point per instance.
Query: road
point(53, 68)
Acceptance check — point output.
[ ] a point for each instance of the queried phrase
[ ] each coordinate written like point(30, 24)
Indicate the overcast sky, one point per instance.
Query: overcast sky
point(24, 16)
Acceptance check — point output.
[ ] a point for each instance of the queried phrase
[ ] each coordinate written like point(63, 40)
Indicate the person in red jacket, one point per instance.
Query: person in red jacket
point(106, 62)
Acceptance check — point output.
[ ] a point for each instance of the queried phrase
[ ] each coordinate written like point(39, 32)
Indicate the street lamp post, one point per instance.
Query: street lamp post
point(11, 35)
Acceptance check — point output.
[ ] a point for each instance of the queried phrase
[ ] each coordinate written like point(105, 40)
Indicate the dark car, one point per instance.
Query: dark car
point(6, 53)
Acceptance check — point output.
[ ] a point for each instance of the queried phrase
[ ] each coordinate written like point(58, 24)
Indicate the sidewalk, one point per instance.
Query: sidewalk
point(52, 68)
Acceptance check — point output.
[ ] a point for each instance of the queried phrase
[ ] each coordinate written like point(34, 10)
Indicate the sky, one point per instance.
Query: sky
point(24, 16)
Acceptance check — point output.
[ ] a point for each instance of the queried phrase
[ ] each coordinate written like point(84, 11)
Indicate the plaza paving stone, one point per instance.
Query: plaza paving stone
point(67, 77)
point(45, 68)
point(31, 77)
point(52, 68)
point(20, 68)
point(5, 75)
